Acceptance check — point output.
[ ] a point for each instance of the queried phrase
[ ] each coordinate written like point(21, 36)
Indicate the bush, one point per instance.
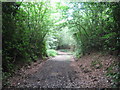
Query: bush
point(51, 52)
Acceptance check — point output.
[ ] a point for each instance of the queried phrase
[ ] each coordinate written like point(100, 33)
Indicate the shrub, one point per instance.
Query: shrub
point(51, 52)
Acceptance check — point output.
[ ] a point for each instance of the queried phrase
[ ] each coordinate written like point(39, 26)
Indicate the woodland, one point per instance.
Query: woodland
point(33, 30)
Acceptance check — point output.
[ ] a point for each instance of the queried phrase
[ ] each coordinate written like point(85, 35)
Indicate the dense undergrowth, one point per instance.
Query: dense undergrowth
point(33, 30)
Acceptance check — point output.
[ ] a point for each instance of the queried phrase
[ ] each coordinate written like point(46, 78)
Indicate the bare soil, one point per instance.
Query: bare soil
point(94, 76)
point(63, 71)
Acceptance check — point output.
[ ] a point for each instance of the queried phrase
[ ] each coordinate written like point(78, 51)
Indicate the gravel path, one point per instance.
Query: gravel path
point(56, 72)
point(63, 71)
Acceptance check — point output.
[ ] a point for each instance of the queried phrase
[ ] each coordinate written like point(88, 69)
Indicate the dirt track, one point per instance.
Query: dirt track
point(56, 72)
point(63, 71)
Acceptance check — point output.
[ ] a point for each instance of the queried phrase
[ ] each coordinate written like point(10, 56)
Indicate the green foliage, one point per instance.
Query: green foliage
point(25, 25)
point(94, 27)
point(51, 52)
point(115, 75)
point(5, 75)
point(64, 50)
point(52, 41)
point(32, 30)
point(65, 38)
